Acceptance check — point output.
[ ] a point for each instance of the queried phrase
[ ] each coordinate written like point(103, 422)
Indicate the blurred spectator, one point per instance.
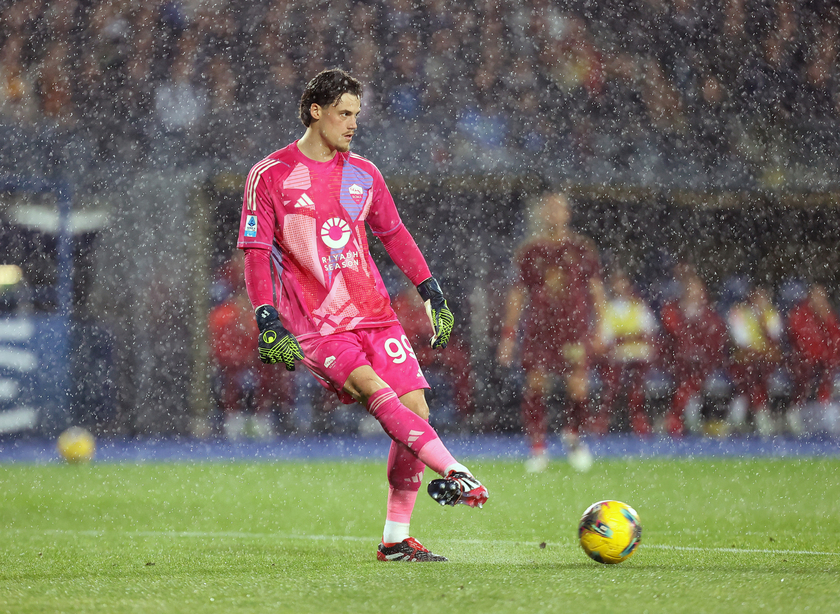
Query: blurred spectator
point(755, 331)
point(248, 391)
point(222, 132)
point(694, 347)
point(673, 88)
point(710, 121)
point(814, 335)
point(54, 84)
point(179, 101)
point(627, 328)
point(17, 89)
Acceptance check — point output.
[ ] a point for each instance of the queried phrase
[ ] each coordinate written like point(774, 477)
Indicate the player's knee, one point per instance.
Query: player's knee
point(362, 383)
point(416, 402)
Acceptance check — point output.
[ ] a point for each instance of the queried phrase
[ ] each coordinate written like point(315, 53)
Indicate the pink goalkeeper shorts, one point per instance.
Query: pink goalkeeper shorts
point(387, 350)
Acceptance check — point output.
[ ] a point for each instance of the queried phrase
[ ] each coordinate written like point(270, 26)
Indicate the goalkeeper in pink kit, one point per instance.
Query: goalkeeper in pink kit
point(319, 298)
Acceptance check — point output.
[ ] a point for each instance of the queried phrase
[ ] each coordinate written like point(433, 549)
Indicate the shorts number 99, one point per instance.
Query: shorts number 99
point(399, 349)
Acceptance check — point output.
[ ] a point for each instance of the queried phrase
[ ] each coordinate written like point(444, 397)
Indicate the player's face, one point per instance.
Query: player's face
point(337, 123)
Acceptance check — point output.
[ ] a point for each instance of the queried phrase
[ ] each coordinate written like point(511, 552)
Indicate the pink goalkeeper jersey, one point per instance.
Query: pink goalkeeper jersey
point(312, 215)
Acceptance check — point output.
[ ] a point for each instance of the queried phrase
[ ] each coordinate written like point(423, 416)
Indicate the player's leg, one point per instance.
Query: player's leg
point(688, 384)
point(577, 398)
point(610, 384)
point(405, 474)
point(345, 364)
point(400, 422)
point(637, 377)
point(403, 425)
point(535, 419)
point(577, 391)
point(758, 398)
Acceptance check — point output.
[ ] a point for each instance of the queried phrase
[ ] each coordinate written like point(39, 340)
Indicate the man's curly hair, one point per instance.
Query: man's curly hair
point(325, 89)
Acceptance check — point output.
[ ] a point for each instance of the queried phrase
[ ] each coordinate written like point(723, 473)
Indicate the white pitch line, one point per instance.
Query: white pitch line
point(356, 538)
point(741, 550)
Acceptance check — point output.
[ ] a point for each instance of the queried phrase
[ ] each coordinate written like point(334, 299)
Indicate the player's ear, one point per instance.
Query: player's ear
point(315, 111)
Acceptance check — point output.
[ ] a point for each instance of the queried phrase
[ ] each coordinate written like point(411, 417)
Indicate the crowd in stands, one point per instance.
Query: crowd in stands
point(737, 93)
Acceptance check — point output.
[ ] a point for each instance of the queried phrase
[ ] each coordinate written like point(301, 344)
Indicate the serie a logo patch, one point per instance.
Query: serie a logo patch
point(251, 226)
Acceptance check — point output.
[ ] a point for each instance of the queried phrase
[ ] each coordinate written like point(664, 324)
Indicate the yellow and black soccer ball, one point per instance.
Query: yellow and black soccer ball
point(610, 531)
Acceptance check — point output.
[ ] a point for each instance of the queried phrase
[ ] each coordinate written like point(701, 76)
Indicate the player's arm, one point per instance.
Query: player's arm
point(385, 222)
point(515, 301)
point(403, 250)
point(275, 343)
point(256, 237)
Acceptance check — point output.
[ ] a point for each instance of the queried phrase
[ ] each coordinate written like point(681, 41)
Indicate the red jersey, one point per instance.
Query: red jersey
point(312, 217)
point(233, 334)
point(698, 340)
point(813, 339)
point(557, 276)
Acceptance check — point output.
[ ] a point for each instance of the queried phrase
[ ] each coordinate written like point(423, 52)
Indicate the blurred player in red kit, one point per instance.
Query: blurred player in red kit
point(320, 299)
point(814, 335)
point(695, 343)
point(755, 329)
point(627, 330)
point(556, 295)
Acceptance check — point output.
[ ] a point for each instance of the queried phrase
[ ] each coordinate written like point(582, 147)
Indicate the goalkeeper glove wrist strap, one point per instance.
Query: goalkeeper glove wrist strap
point(266, 316)
point(429, 289)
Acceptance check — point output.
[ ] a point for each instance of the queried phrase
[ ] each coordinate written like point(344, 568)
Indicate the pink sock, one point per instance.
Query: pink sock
point(409, 429)
point(405, 470)
point(405, 473)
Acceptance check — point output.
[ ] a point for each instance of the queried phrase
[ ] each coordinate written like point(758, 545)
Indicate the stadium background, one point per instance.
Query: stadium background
point(705, 130)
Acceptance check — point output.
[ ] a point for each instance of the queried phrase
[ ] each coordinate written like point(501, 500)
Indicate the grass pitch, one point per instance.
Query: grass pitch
point(719, 536)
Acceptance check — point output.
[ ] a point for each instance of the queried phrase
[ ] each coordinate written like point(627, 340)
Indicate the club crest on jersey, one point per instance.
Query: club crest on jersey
point(356, 193)
point(251, 226)
point(335, 233)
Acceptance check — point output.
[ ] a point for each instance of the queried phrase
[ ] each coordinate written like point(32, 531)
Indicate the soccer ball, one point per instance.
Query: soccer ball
point(76, 445)
point(610, 531)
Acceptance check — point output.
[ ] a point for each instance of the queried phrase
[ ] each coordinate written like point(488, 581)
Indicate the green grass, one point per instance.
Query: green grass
point(719, 536)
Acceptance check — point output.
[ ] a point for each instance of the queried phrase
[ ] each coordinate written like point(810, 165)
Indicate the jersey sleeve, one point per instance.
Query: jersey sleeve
point(403, 250)
point(258, 219)
point(383, 217)
point(258, 276)
point(385, 222)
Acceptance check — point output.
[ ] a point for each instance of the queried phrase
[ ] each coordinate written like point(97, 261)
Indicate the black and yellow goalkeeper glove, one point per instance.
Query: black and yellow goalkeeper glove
point(276, 343)
point(438, 312)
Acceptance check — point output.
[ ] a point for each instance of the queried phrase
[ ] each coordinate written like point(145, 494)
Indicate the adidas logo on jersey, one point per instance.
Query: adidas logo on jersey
point(304, 201)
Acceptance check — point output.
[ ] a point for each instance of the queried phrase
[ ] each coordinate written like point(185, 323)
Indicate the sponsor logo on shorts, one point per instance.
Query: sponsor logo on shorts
point(330, 361)
point(251, 226)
